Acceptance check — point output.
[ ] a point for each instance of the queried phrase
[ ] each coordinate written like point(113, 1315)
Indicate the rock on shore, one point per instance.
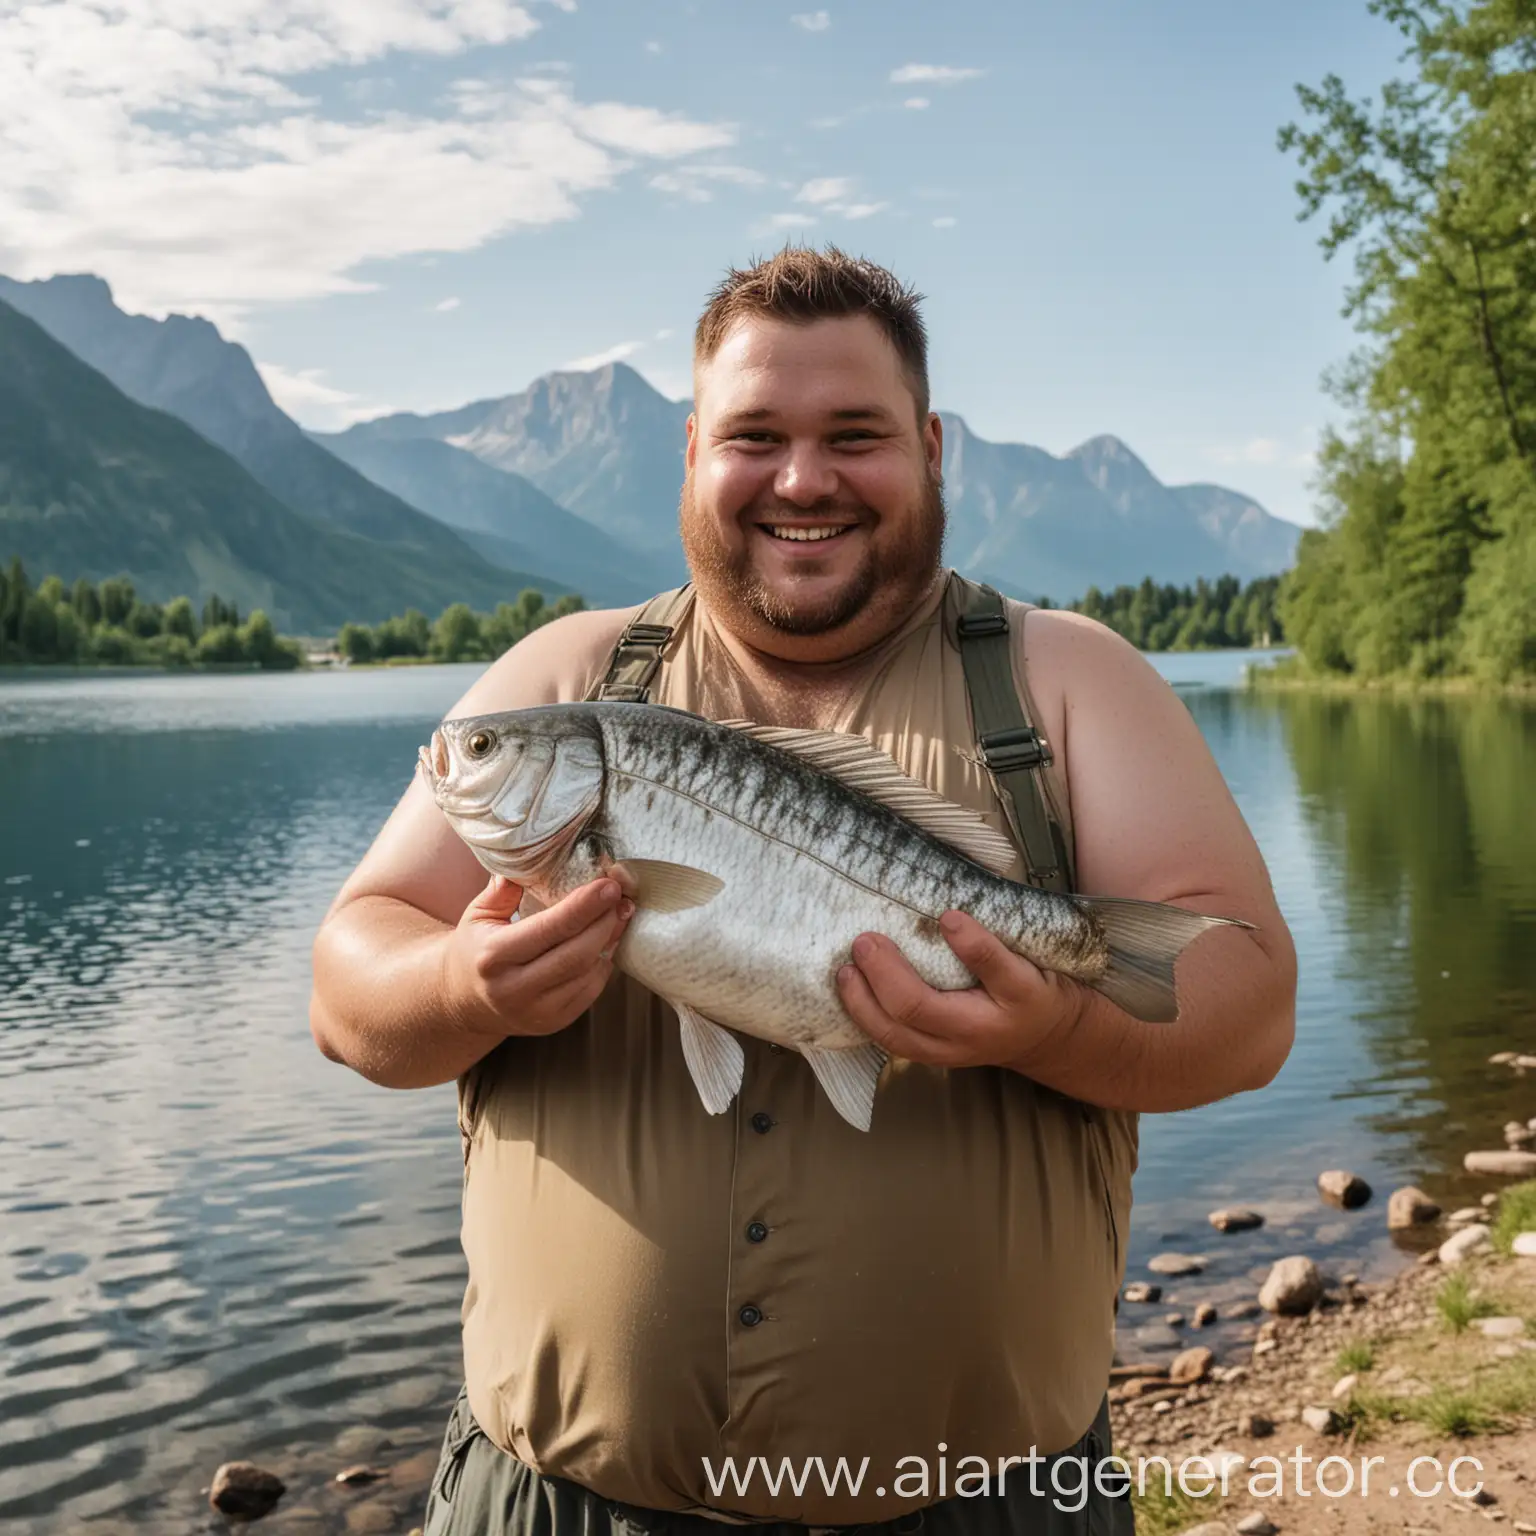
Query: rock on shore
point(244, 1490)
point(1294, 1286)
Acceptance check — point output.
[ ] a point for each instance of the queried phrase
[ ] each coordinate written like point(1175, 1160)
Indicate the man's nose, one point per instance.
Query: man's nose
point(806, 476)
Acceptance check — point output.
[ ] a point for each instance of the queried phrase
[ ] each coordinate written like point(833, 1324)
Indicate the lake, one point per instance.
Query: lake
point(214, 1244)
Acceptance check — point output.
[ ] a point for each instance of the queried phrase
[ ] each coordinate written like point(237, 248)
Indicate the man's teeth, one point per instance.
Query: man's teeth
point(806, 535)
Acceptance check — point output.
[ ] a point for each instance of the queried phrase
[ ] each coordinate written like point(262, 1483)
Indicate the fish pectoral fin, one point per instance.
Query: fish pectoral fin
point(665, 887)
point(716, 1061)
point(848, 1078)
point(858, 763)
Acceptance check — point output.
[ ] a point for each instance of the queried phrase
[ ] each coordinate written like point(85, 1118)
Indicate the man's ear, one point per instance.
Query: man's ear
point(691, 452)
point(933, 442)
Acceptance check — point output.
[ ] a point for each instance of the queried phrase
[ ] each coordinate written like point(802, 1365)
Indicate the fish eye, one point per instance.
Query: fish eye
point(481, 743)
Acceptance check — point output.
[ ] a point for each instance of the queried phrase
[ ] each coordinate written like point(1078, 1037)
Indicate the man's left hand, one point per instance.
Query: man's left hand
point(1004, 1021)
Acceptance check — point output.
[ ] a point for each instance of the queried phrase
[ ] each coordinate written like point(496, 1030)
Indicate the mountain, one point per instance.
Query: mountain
point(609, 447)
point(184, 366)
point(605, 445)
point(507, 518)
point(1098, 516)
point(94, 484)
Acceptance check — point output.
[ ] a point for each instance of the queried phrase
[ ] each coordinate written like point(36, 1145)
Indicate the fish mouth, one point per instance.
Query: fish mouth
point(433, 760)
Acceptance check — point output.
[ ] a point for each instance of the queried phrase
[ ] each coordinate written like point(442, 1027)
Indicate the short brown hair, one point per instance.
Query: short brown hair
point(801, 284)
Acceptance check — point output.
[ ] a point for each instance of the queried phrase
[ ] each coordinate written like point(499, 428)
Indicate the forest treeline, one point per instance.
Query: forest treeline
point(108, 624)
point(459, 634)
point(1210, 615)
point(1425, 563)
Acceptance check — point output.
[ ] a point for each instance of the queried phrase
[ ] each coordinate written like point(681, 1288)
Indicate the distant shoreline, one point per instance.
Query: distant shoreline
point(1289, 678)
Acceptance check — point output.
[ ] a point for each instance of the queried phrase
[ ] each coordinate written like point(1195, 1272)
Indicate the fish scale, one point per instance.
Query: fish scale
point(756, 859)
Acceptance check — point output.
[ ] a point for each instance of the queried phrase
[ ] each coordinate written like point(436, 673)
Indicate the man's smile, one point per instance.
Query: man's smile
point(805, 533)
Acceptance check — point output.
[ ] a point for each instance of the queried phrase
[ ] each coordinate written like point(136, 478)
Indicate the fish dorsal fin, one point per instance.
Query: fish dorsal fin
point(855, 762)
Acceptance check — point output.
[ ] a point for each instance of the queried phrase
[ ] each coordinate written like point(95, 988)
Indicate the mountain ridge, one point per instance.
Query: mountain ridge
point(578, 475)
point(94, 484)
point(184, 366)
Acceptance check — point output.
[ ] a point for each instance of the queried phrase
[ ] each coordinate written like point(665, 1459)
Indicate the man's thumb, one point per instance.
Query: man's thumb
point(497, 902)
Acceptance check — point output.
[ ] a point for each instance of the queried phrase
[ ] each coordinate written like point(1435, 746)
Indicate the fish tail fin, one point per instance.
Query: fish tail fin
point(1145, 938)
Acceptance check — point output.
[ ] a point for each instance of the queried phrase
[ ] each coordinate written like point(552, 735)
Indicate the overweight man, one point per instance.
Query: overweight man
point(676, 1320)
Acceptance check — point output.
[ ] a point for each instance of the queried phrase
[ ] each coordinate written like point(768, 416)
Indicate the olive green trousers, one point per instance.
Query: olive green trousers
point(481, 1491)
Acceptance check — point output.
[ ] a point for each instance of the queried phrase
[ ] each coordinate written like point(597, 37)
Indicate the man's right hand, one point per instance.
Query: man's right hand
point(504, 975)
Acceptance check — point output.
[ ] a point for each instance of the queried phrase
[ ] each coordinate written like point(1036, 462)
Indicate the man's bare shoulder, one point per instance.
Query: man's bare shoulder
point(555, 664)
point(1067, 657)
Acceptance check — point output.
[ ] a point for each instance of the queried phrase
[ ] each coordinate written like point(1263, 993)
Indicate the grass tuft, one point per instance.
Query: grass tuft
point(1515, 1213)
point(1357, 1356)
point(1458, 1304)
point(1454, 1413)
point(1164, 1511)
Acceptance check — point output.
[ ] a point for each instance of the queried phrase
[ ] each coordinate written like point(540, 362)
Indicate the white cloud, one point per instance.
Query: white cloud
point(812, 21)
point(653, 47)
point(664, 334)
point(932, 74)
point(696, 183)
point(916, 103)
point(170, 146)
point(614, 354)
point(825, 189)
point(790, 220)
point(445, 306)
point(834, 195)
point(305, 395)
point(944, 221)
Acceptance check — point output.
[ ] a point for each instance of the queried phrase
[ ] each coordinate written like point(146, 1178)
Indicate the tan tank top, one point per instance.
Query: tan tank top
point(652, 1288)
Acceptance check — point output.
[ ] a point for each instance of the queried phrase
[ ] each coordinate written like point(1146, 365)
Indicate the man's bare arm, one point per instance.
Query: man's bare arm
point(1153, 819)
point(418, 969)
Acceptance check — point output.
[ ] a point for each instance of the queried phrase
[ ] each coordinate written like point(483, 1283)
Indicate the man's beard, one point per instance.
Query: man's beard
point(900, 573)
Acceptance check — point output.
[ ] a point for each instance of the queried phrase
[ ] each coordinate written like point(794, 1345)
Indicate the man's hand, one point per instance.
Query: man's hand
point(535, 975)
point(1014, 1011)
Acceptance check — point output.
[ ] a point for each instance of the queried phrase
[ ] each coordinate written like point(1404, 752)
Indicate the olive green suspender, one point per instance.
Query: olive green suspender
point(1014, 753)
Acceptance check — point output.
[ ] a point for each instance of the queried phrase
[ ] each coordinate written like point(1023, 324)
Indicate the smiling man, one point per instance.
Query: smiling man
point(914, 1320)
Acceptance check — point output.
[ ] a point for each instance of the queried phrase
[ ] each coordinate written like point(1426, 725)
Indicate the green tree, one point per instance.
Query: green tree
point(116, 600)
point(69, 632)
point(220, 645)
point(217, 612)
point(13, 603)
point(86, 603)
point(112, 646)
point(456, 635)
point(144, 620)
point(39, 629)
point(1432, 489)
point(179, 619)
point(260, 643)
point(355, 642)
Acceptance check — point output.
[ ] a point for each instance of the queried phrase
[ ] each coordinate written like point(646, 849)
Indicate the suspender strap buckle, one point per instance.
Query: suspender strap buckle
point(973, 624)
point(623, 693)
point(647, 634)
point(1008, 751)
point(636, 658)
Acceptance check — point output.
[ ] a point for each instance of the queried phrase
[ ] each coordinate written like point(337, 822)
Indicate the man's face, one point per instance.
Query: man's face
point(812, 516)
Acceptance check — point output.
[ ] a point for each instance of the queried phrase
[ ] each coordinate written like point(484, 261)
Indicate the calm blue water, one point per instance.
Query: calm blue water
point(214, 1244)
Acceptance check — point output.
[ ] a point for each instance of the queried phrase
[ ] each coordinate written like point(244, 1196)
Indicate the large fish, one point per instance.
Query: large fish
point(756, 856)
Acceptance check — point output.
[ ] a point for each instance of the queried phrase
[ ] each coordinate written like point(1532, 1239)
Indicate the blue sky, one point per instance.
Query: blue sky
point(408, 204)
